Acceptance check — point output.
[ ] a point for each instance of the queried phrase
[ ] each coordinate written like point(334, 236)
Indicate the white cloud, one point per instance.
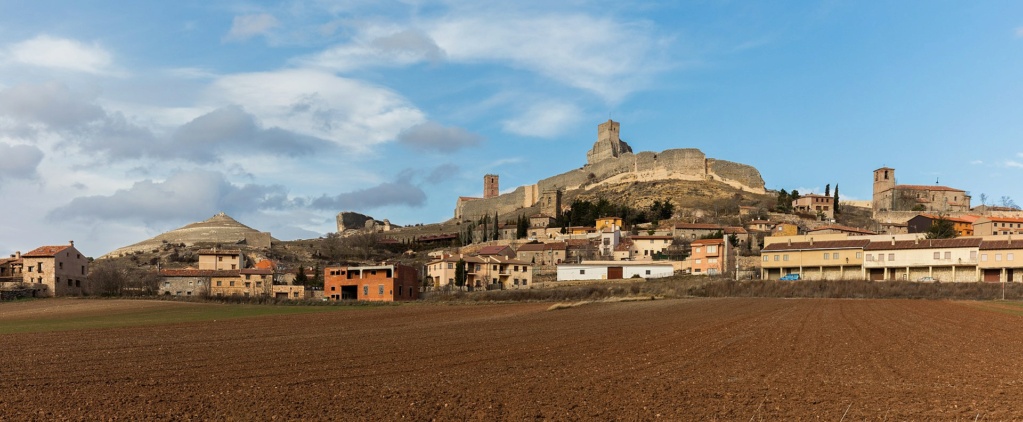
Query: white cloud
point(607, 57)
point(1015, 164)
point(61, 53)
point(1019, 32)
point(977, 162)
point(351, 113)
point(544, 120)
point(247, 26)
point(379, 46)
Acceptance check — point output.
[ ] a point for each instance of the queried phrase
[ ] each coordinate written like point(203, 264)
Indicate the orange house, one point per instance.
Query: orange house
point(380, 283)
point(708, 256)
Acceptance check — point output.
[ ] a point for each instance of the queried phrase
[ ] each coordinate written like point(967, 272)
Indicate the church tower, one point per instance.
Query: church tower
point(884, 184)
point(550, 203)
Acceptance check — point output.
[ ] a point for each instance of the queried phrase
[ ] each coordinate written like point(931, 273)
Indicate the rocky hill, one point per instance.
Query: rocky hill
point(220, 229)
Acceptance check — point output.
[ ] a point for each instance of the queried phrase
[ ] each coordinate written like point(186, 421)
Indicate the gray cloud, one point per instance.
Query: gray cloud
point(204, 138)
point(19, 161)
point(433, 136)
point(391, 193)
point(184, 196)
point(53, 107)
point(441, 173)
point(51, 104)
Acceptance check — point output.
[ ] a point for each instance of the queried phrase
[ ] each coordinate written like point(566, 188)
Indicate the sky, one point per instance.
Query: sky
point(123, 120)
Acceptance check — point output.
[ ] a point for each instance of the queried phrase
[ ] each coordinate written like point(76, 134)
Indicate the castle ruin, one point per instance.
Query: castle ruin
point(611, 161)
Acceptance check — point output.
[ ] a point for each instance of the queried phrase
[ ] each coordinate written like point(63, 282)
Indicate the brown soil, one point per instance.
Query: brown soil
point(700, 359)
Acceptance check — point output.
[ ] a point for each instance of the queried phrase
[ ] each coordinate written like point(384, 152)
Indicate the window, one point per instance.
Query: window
point(998, 257)
point(973, 255)
point(234, 266)
point(380, 289)
point(40, 267)
point(524, 282)
point(870, 258)
point(712, 249)
point(891, 257)
point(948, 255)
point(1008, 256)
point(333, 288)
point(834, 256)
point(451, 281)
point(859, 255)
point(30, 268)
point(712, 261)
point(220, 259)
point(451, 265)
point(647, 272)
point(983, 257)
point(218, 283)
point(232, 283)
point(83, 270)
point(776, 258)
point(827, 256)
point(248, 276)
point(365, 290)
point(259, 284)
point(766, 258)
point(60, 265)
point(785, 257)
point(699, 261)
point(582, 271)
point(937, 255)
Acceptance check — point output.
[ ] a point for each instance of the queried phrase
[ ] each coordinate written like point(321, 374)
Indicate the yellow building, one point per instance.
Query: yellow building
point(817, 260)
point(608, 222)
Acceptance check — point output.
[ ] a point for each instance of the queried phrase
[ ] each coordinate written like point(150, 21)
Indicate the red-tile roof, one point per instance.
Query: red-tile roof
point(257, 271)
point(820, 244)
point(266, 264)
point(842, 228)
point(45, 251)
point(1002, 244)
point(492, 250)
point(928, 187)
point(192, 272)
point(962, 242)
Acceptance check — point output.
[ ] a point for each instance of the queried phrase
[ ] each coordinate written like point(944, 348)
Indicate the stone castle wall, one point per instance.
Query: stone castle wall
point(673, 164)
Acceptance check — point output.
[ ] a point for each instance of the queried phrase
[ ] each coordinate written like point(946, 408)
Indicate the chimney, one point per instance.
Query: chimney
point(893, 240)
point(916, 240)
point(72, 242)
point(18, 255)
point(790, 241)
point(811, 241)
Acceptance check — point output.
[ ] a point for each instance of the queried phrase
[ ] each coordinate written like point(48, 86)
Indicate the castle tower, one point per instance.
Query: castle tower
point(609, 144)
point(491, 188)
point(550, 203)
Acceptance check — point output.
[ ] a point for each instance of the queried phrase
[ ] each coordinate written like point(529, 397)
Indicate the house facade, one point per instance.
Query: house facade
point(221, 259)
point(56, 270)
point(647, 247)
point(379, 283)
point(708, 257)
point(820, 205)
point(611, 270)
point(542, 254)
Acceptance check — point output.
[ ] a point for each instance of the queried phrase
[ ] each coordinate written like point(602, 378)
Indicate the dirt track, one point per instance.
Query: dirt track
point(728, 359)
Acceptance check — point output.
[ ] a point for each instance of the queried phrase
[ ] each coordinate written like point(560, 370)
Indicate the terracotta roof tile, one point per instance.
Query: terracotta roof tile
point(962, 242)
point(45, 251)
point(820, 244)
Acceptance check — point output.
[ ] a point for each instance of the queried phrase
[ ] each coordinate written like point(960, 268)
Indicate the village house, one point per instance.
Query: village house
point(613, 270)
point(696, 230)
point(934, 198)
point(819, 205)
point(605, 222)
point(542, 254)
point(11, 269)
point(379, 283)
point(496, 250)
point(610, 237)
point(785, 229)
point(997, 261)
point(56, 270)
point(993, 226)
point(708, 256)
point(922, 223)
point(194, 282)
point(649, 247)
point(939, 259)
point(221, 259)
point(499, 272)
point(441, 272)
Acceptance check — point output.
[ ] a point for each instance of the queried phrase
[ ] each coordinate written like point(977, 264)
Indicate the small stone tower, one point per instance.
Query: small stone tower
point(609, 144)
point(491, 188)
point(550, 203)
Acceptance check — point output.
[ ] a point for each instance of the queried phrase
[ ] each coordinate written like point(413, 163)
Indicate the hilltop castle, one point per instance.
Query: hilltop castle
point(611, 161)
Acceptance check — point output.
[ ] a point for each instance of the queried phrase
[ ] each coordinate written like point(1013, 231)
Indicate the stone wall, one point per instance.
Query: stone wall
point(672, 164)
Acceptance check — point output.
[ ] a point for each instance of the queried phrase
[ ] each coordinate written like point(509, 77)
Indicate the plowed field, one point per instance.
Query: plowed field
point(701, 359)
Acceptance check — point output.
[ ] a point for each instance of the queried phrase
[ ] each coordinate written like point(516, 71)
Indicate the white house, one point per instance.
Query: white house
point(605, 270)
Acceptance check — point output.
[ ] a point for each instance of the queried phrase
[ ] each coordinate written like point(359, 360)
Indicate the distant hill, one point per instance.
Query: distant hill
point(220, 229)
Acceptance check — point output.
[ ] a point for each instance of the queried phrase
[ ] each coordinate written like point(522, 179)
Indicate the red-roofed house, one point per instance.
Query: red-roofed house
point(496, 250)
point(987, 226)
point(708, 256)
point(56, 270)
point(542, 253)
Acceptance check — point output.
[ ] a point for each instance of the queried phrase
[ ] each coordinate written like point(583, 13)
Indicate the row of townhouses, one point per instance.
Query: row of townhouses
point(910, 257)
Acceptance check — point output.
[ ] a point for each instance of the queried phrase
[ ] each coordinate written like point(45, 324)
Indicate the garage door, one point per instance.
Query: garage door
point(614, 273)
point(992, 275)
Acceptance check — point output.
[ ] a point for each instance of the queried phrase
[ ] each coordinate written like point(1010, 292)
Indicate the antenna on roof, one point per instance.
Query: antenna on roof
point(935, 180)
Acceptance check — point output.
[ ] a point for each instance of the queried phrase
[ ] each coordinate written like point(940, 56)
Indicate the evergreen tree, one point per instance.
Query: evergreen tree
point(827, 189)
point(497, 228)
point(837, 211)
point(300, 278)
point(522, 227)
point(460, 273)
point(941, 228)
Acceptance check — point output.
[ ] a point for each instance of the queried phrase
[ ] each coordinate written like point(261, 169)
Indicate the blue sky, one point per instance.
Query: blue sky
point(121, 120)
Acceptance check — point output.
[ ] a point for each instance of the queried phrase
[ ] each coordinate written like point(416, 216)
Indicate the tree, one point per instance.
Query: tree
point(1007, 202)
point(784, 203)
point(837, 210)
point(941, 228)
point(679, 249)
point(460, 274)
point(300, 278)
point(827, 189)
point(983, 199)
point(522, 227)
point(317, 277)
point(497, 228)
